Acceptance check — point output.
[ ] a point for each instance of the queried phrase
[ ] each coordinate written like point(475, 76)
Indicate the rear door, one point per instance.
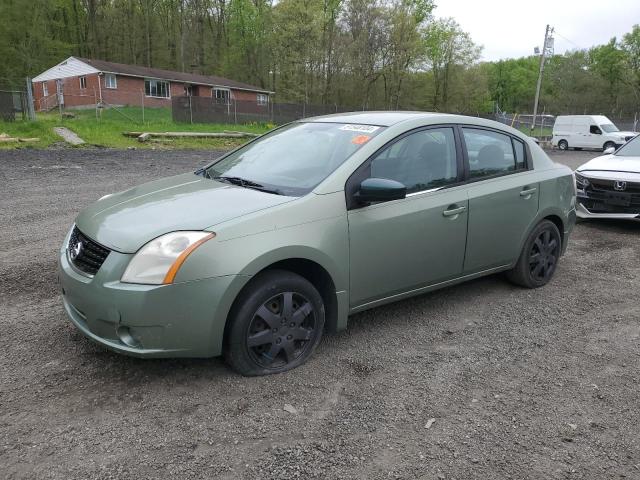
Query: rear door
point(406, 244)
point(503, 198)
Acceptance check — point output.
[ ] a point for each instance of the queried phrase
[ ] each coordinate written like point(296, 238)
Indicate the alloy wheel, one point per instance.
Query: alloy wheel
point(281, 330)
point(543, 256)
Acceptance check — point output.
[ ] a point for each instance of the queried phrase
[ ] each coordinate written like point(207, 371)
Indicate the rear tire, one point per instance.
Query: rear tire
point(563, 145)
point(539, 257)
point(275, 325)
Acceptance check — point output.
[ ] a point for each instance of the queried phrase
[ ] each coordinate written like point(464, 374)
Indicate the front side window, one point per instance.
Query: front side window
point(594, 129)
point(421, 161)
point(156, 88)
point(110, 81)
point(293, 159)
point(263, 99)
point(490, 153)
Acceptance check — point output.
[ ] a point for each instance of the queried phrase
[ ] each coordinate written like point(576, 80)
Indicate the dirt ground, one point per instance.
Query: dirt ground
point(479, 381)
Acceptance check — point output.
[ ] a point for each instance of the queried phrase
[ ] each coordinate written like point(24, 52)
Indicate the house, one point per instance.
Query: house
point(78, 82)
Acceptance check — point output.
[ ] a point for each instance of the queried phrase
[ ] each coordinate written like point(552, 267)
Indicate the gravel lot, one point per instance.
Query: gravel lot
point(521, 384)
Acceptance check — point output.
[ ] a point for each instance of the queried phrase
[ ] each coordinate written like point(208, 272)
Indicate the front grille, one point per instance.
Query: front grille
point(85, 254)
point(601, 197)
point(597, 184)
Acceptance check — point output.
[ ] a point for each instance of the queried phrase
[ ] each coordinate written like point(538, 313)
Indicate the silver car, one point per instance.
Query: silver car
point(609, 186)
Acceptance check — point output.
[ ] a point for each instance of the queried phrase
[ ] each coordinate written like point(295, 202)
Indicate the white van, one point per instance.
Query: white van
point(587, 131)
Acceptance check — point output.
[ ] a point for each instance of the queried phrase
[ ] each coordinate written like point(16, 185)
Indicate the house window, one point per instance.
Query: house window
point(263, 99)
point(83, 82)
point(222, 96)
point(110, 81)
point(156, 88)
point(45, 89)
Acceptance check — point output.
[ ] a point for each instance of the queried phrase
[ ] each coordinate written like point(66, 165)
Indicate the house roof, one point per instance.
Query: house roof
point(140, 71)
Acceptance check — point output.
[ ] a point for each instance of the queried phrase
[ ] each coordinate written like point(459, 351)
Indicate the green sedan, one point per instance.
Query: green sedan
point(254, 256)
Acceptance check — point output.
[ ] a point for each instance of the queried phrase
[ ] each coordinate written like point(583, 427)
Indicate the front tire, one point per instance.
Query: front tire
point(539, 257)
point(275, 324)
point(563, 145)
point(608, 145)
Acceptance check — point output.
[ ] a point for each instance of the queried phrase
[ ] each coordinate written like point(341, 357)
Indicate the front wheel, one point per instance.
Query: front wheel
point(563, 145)
point(275, 325)
point(539, 257)
point(608, 145)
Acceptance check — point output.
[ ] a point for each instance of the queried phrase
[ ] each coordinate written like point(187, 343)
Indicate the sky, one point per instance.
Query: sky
point(511, 29)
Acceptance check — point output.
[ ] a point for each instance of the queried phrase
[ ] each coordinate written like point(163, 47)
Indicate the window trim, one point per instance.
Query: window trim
point(45, 89)
point(115, 81)
point(221, 89)
point(359, 173)
point(266, 99)
point(528, 165)
point(150, 79)
point(82, 79)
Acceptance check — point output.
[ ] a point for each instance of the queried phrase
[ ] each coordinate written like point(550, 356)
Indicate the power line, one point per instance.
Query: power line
point(568, 40)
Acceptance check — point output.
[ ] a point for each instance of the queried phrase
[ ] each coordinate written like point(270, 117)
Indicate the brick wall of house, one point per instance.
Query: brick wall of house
point(128, 91)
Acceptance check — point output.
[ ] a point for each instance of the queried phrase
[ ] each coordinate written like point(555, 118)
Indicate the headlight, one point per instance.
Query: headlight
point(159, 260)
point(581, 181)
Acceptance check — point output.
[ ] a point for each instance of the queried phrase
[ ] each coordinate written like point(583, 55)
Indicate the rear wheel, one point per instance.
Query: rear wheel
point(563, 145)
point(276, 324)
point(608, 145)
point(539, 257)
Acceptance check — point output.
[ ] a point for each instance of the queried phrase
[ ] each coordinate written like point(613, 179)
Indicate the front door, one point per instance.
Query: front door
point(503, 199)
point(60, 91)
point(420, 240)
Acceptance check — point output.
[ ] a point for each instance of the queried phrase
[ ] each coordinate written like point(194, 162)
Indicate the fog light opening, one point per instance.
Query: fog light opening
point(125, 336)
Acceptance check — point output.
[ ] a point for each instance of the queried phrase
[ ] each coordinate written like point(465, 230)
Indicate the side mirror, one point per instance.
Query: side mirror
point(380, 190)
point(609, 151)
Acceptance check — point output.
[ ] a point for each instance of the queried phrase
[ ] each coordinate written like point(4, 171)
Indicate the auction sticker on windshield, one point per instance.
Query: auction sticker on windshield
point(359, 128)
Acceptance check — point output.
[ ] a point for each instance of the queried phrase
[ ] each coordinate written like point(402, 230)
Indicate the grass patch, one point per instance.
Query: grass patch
point(106, 129)
point(537, 132)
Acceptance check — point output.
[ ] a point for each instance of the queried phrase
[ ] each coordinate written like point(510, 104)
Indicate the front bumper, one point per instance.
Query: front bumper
point(179, 320)
point(583, 212)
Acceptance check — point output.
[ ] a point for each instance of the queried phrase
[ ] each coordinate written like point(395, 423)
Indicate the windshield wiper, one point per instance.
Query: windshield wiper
point(243, 182)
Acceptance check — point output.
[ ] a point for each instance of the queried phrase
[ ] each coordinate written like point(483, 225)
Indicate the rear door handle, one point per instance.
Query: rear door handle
point(528, 192)
point(454, 211)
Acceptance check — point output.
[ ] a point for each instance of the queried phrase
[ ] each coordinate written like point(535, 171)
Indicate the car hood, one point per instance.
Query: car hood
point(127, 220)
point(612, 163)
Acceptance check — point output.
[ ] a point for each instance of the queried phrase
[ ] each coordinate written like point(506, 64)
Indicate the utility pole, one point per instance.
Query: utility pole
point(547, 49)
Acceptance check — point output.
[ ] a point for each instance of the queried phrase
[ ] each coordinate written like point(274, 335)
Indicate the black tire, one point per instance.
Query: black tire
point(275, 325)
point(563, 145)
point(608, 145)
point(539, 257)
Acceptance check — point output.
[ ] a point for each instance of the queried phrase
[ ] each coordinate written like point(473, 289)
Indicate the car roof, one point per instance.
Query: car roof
point(389, 118)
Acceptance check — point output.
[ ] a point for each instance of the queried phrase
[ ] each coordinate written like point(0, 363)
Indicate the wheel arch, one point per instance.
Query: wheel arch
point(306, 262)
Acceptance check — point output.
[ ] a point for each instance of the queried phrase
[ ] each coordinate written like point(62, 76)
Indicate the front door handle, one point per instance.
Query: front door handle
point(451, 212)
point(528, 192)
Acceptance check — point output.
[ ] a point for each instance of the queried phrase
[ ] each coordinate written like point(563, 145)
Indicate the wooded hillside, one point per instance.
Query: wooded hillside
point(355, 53)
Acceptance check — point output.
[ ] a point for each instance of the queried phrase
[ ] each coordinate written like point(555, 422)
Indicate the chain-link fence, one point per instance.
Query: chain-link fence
point(207, 110)
point(133, 105)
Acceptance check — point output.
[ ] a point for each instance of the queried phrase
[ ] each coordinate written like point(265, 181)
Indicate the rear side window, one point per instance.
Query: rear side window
point(518, 148)
point(490, 153)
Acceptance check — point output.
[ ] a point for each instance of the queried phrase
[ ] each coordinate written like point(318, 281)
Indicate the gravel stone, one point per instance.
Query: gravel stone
point(537, 359)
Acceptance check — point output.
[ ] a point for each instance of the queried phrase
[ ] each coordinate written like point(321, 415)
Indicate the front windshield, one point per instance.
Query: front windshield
point(293, 159)
point(630, 149)
point(609, 128)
